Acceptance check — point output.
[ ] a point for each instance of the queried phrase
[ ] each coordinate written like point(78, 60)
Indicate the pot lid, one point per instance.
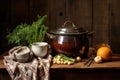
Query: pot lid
point(68, 28)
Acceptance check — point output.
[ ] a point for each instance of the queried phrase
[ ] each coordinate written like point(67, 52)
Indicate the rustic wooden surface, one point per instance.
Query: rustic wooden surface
point(1, 60)
point(103, 71)
point(114, 63)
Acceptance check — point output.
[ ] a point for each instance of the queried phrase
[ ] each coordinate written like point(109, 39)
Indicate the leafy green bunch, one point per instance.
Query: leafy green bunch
point(26, 34)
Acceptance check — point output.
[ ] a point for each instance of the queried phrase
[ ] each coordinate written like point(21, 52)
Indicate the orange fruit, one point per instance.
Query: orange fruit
point(105, 53)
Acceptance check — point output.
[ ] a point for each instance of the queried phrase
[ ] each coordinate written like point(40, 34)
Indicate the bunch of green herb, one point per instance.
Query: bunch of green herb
point(26, 34)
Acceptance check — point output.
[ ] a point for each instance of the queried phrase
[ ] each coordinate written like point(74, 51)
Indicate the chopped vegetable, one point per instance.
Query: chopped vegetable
point(62, 59)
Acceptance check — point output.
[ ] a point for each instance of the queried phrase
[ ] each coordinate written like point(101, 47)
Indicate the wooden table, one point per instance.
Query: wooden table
point(114, 63)
point(103, 71)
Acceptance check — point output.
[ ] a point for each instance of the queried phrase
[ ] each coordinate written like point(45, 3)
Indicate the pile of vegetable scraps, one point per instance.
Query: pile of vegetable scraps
point(62, 59)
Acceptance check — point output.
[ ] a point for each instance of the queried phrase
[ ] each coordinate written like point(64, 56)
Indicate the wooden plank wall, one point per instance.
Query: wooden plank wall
point(78, 11)
point(101, 21)
point(100, 16)
point(15, 12)
point(115, 25)
point(57, 13)
point(4, 23)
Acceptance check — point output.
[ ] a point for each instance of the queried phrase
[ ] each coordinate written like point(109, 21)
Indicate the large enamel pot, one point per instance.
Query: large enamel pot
point(69, 40)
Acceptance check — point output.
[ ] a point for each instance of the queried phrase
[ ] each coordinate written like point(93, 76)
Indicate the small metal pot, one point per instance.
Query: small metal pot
point(69, 40)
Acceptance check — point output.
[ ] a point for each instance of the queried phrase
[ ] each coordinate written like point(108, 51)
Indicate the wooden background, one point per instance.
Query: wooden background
point(100, 16)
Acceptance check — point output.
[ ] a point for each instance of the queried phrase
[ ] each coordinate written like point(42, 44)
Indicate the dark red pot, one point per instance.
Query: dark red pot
point(70, 40)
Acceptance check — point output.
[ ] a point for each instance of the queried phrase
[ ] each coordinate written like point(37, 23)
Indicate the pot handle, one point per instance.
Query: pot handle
point(51, 36)
point(68, 22)
point(90, 34)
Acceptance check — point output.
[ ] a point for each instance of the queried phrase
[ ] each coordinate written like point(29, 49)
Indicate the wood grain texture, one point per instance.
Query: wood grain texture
point(78, 11)
point(104, 71)
point(101, 21)
point(57, 13)
point(113, 64)
point(115, 25)
point(100, 16)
